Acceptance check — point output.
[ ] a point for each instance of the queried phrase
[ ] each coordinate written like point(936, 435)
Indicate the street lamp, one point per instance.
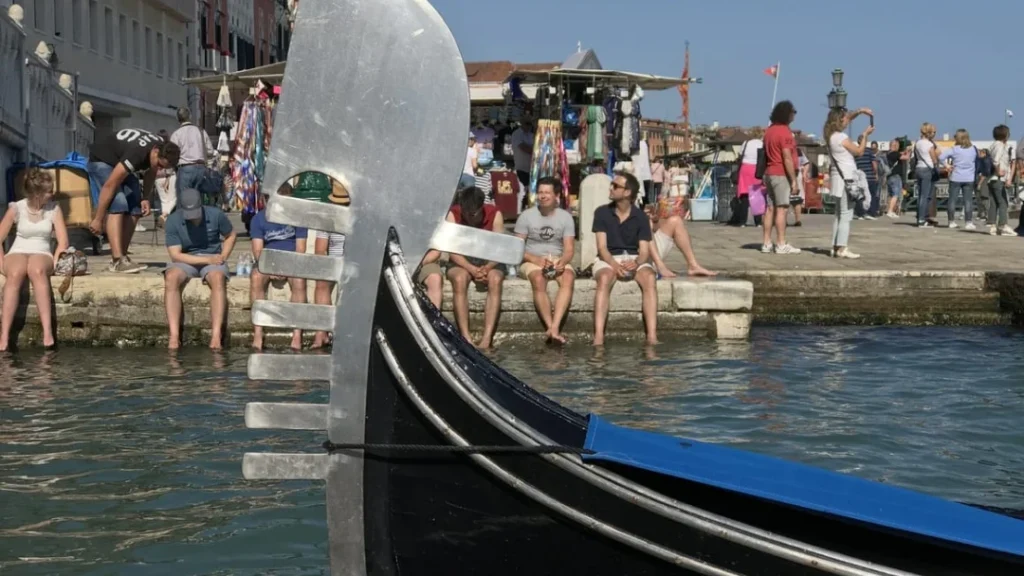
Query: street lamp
point(837, 96)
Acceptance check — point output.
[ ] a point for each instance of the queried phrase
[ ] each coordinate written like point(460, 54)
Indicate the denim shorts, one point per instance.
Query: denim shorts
point(192, 272)
point(128, 199)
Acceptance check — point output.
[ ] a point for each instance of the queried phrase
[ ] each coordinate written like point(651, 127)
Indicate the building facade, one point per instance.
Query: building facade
point(264, 29)
point(130, 55)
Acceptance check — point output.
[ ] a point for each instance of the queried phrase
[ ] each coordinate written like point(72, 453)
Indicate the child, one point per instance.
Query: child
point(39, 219)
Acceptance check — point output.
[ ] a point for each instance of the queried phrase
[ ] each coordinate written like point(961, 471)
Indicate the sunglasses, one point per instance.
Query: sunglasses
point(616, 186)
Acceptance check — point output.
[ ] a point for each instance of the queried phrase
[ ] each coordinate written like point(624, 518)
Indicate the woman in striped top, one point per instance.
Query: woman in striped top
point(327, 244)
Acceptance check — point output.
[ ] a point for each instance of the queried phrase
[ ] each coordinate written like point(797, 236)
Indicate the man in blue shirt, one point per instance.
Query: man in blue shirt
point(199, 241)
point(285, 238)
point(868, 164)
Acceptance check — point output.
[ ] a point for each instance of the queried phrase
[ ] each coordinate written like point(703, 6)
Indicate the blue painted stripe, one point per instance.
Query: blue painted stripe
point(804, 486)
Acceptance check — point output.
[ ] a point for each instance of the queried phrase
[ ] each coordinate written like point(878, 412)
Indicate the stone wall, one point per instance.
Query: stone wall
point(124, 311)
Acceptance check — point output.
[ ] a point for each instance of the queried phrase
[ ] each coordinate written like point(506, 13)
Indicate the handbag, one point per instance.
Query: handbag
point(762, 163)
point(855, 192)
point(69, 264)
point(735, 175)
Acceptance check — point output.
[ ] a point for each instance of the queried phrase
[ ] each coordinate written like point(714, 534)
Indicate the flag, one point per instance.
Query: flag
point(772, 71)
point(1009, 113)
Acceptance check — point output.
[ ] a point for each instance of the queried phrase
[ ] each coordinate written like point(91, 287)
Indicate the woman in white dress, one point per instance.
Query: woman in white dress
point(39, 219)
point(843, 174)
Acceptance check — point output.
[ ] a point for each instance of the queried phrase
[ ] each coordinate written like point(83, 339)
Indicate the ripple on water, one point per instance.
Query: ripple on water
point(129, 462)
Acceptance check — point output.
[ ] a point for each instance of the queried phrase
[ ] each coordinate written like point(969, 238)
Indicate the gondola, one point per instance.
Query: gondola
point(439, 462)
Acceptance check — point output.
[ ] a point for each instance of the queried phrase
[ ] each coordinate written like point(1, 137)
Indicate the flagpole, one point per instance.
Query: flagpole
point(775, 92)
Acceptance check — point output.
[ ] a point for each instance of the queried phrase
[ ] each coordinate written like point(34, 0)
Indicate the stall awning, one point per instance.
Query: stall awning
point(645, 81)
point(241, 79)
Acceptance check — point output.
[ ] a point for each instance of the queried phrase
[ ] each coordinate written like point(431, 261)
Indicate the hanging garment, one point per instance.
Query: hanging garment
point(596, 119)
point(548, 155)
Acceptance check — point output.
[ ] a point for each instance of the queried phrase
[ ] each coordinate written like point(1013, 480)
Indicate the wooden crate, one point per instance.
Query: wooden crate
point(71, 190)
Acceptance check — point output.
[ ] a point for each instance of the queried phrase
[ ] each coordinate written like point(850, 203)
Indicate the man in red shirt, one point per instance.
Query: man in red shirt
point(780, 176)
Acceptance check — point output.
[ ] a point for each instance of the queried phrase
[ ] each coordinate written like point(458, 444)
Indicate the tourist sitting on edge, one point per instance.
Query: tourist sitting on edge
point(114, 163)
point(623, 234)
point(671, 233)
point(550, 236)
point(285, 238)
point(199, 240)
point(470, 210)
point(39, 219)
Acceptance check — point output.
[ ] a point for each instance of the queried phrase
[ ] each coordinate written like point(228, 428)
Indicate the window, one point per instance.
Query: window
point(76, 21)
point(122, 36)
point(39, 14)
point(172, 71)
point(182, 63)
point(58, 21)
point(94, 25)
point(108, 31)
point(136, 44)
point(149, 49)
point(159, 54)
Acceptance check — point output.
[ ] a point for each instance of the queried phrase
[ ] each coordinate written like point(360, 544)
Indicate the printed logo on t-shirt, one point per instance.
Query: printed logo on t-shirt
point(141, 138)
point(286, 233)
point(546, 233)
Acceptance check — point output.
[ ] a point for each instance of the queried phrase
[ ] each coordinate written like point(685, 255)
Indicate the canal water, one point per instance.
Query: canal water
point(127, 462)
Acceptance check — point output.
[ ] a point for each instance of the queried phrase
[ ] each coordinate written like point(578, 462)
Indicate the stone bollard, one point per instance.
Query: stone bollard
point(593, 193)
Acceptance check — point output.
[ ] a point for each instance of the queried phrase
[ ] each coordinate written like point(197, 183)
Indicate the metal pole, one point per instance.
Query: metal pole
point(74, 115)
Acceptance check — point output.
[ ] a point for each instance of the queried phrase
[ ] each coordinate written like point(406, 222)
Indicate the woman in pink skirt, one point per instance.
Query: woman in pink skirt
point(746, 180)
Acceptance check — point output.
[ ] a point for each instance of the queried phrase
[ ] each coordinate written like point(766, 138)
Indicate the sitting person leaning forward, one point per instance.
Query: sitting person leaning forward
point(550, 236)
point(623, 235)
point(199, 241)
point(671, 233)
point(285, 238)
point(470, 210)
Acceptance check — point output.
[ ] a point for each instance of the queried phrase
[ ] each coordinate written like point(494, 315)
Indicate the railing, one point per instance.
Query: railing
point(47, 124)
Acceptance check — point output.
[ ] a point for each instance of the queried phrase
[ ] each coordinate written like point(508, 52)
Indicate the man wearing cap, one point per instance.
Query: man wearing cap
point(199, 241)
point(283, 237)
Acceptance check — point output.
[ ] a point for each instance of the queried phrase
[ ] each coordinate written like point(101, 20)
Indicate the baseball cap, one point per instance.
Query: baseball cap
point(191, 204)
point(466, 181)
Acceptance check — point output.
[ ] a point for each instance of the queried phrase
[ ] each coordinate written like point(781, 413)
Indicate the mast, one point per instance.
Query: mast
point(684, 91)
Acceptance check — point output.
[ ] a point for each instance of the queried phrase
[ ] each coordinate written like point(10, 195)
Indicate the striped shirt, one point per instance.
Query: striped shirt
point(866, 164)
point(335, 242)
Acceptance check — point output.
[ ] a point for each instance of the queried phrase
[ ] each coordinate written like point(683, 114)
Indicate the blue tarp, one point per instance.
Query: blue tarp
point(74, 161)
point(804, 486)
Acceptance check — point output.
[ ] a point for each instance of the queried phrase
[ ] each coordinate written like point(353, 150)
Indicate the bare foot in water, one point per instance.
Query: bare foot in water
point(554, 337)
point(700, 271)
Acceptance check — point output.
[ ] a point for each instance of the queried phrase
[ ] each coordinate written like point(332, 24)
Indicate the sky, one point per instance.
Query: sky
point(951, 74)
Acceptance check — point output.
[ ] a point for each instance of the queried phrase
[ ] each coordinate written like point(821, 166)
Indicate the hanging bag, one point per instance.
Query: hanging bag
point(854, 191)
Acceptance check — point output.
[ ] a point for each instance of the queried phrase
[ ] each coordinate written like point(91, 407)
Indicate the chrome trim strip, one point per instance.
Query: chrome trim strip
point(475, 243)
point(269, 466)
point(286, 416)
point(534, 493)
point(278, 314)
point(828, 561)
point(301, 265)
point(289, 367)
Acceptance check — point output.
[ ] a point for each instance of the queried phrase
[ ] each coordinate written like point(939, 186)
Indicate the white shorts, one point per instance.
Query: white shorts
point(601, 264)
point(663, 243)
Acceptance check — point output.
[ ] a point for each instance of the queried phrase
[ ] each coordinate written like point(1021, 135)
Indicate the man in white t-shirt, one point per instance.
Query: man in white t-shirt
point(471, 156)
point(522, 154)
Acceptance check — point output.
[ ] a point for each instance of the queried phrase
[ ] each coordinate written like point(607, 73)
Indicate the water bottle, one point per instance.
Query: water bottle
point(512, 273)
point(629, 275)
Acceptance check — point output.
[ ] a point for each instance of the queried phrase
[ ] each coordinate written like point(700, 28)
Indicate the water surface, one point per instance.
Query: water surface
point(128, 462)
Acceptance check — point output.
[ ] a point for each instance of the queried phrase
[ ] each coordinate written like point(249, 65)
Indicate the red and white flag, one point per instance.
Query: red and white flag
point(772, 71)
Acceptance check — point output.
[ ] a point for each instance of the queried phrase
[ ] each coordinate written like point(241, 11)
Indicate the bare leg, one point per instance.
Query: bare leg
point(218, 283)
point(39, 269)
point(257, 291)
point(540, 298)
point(646, 278)
point(115, 235)
point(322, 295)
point(562, 301)
point(675, 229)
point(174, 282)
point(129, 223)
point(459, 278)
point(435, 289)
point(780, 225)
point(15, 271)
point(798, 210)
point(298, 290)
point(492, 308)
point(605, 281)
point(767, 221)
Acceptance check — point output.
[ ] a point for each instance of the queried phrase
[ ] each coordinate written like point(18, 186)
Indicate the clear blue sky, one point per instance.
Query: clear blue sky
point(970, 78)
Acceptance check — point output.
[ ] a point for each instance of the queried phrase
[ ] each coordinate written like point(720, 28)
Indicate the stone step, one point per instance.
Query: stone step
point(902, 307)
point(863, 281)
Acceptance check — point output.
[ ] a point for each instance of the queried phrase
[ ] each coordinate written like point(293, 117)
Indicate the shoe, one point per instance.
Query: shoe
point(992, 231)
point(970, 226)
point(847, 254)
point(924, 224)
point(786, 249)
point(892, 215)
point(1007, 231)
point(869, 217)
point(124, 266)
point(132, 263)
point(139, 227)
point(953, 224)
point(767, 248)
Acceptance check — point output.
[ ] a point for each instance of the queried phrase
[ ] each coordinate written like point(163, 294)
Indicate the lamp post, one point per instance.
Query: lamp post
point(665, 135)
point(837, 96)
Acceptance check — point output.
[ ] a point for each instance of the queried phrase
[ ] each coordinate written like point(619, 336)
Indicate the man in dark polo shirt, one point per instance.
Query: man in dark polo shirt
point(623, 234)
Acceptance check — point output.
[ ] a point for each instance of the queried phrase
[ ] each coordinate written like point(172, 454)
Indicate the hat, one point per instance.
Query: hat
point(472, 136)
point(190, 202)
point(466, 181)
